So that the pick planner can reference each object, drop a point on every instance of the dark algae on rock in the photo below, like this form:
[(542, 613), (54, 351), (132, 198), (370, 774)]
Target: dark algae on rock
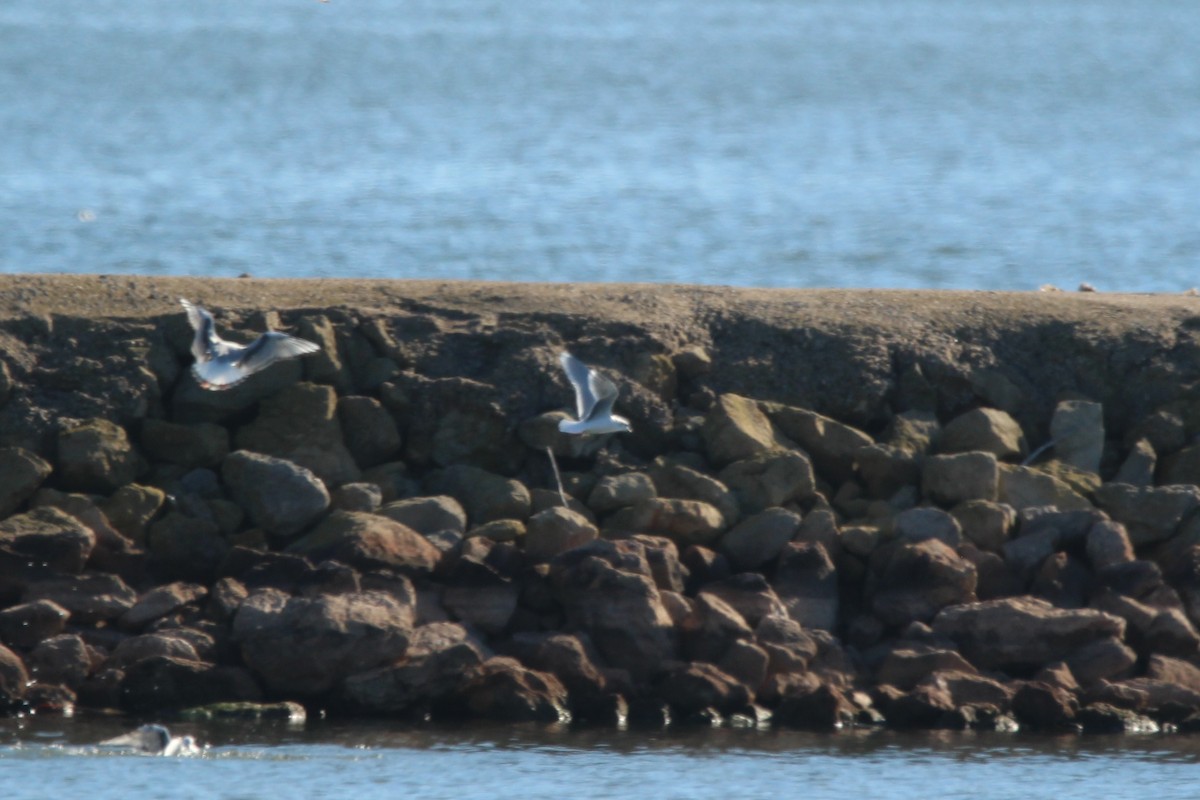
[(829, 510)]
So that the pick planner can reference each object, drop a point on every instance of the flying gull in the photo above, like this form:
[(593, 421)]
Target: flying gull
[(594, 398), (221, 364), (155, 740)]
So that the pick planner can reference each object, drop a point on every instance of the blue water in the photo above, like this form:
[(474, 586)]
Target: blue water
[(368, 762), (896, 143)]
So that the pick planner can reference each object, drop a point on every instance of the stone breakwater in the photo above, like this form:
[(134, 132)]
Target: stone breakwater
[(820, 519)]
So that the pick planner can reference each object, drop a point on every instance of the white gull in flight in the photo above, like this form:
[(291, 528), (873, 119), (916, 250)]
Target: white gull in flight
[(594, 398), (221, 364)]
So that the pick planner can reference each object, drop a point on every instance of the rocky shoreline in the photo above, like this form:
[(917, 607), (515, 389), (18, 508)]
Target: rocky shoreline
[(822, 517)]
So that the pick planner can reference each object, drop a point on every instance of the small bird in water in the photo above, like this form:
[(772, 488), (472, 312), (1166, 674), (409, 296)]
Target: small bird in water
[(594, 398), (155, 740), (221, 364)]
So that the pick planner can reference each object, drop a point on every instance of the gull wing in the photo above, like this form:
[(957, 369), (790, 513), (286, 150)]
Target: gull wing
[(206, 342), (273, 346), (580, 377), (605, 392)]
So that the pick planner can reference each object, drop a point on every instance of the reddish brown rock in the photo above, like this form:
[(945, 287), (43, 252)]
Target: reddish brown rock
[(908, 663), (303, 646), (48, 538), (1043, 707), (750, 594), (89, 598), (14, 678), (692, 688), (1022, 631), (807, 584), (368, 541), (26, 624), (919, 579), (925, 707), (606, 590), (64, 659), (790, 649), (150, 645), (160, 601), (502, 689), (814, 708), (711, 628), (431, 668), (969, 688), (686, 522)]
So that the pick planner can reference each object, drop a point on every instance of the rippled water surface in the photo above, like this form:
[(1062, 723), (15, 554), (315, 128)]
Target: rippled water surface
[(58, 758), (902, 143)]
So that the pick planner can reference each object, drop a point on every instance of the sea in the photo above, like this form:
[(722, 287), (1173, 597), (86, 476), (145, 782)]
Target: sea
[(1005, 145), (1001, 145)]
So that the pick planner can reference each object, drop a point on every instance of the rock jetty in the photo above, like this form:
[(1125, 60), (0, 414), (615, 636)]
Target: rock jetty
[(827, 513)]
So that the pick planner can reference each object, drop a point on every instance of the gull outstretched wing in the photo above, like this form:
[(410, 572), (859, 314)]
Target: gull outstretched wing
[(273, 346), (579, 375), (605, 392), (205, 340)]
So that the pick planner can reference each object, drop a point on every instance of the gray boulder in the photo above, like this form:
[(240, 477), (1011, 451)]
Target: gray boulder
[(919, 524), (759, 539), (428, 515), (769, 479), (1077, 429), (619, 491), (679, 481), (556, 530), (987, 429), (97, 456), (484, 495), (831, 445), (369, 429), (300, 424), (1150, 513), (280, 496), (985, 524), (21, 473), (952, 479), (735, 428)]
